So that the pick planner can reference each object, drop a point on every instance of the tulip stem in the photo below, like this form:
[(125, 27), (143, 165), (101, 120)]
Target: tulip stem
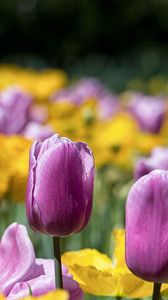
[(156, 291), (57, 263)]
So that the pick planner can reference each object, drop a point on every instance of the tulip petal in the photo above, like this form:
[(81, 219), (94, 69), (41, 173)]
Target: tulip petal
[(87, 158), (147, 227), (54, 140), (17, 258), (53, 295), (44, 284), (33, 220), (59, 190)]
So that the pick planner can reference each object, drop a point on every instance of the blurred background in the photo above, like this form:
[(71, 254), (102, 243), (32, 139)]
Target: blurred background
[(118, 41), (123, 44)]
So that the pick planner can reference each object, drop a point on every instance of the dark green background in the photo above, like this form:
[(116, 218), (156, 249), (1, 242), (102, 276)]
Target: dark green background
[(115, 40)]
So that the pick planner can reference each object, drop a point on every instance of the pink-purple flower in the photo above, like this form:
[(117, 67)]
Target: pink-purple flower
[(90, 88), (149, 111), (60, 186), (20, 270), (37, 131), (157, 160), (14, 110), (147, 227)]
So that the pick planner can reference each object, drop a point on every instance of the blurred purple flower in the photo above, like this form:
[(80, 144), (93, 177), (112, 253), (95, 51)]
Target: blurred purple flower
[(60, 186), (19, 269), (38, 114), (147, 227), (149, 111), (107, 107), (90, 88), (157, 160), (80, 92), (36, 131), (14, 110)]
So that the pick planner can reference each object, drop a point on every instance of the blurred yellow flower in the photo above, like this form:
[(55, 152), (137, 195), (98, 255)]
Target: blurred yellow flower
[(41, 84), (14, 157), (145, 142), (114, 140), (75, 122), (99, 275)]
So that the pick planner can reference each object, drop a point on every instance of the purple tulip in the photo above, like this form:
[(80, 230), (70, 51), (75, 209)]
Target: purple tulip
[(38, 114), (90, 87), (14, 110), (157, 160), (149, 111), (107, 107), (147, 227), (60, 186), (82, 90), (19, 269), (36, 131)]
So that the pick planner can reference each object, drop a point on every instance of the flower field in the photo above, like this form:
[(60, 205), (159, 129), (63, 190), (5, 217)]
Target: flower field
[(79, 162)]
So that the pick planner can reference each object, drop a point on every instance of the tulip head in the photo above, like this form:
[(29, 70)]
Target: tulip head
[(149, 111), (14, 110), (157, 160), (147, 227), (60, 186), (34, 130)]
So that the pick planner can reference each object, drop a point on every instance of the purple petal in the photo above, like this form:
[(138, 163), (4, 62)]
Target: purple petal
[(147, 227), (58, 196), (51, 142), (16, 104), (43, 284), (36, 131), (34, 151), (157, 160), (88, 161), (17, 258), (149, 111), (48, 267), (108, 106)]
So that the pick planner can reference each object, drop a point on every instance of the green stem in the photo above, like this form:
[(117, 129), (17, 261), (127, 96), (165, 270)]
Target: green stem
[(57, 263), (156, 291)]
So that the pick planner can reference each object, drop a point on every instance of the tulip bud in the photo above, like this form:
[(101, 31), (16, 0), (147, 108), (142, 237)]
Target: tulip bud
[(14, 110), (157, 160), (149, 111), (60, 186), (147, 227)]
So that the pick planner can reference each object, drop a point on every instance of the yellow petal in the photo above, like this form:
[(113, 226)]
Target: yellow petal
[(92, 270), (96, 275), (119, 250), (93, 281), (87, 257), (131, 286)]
